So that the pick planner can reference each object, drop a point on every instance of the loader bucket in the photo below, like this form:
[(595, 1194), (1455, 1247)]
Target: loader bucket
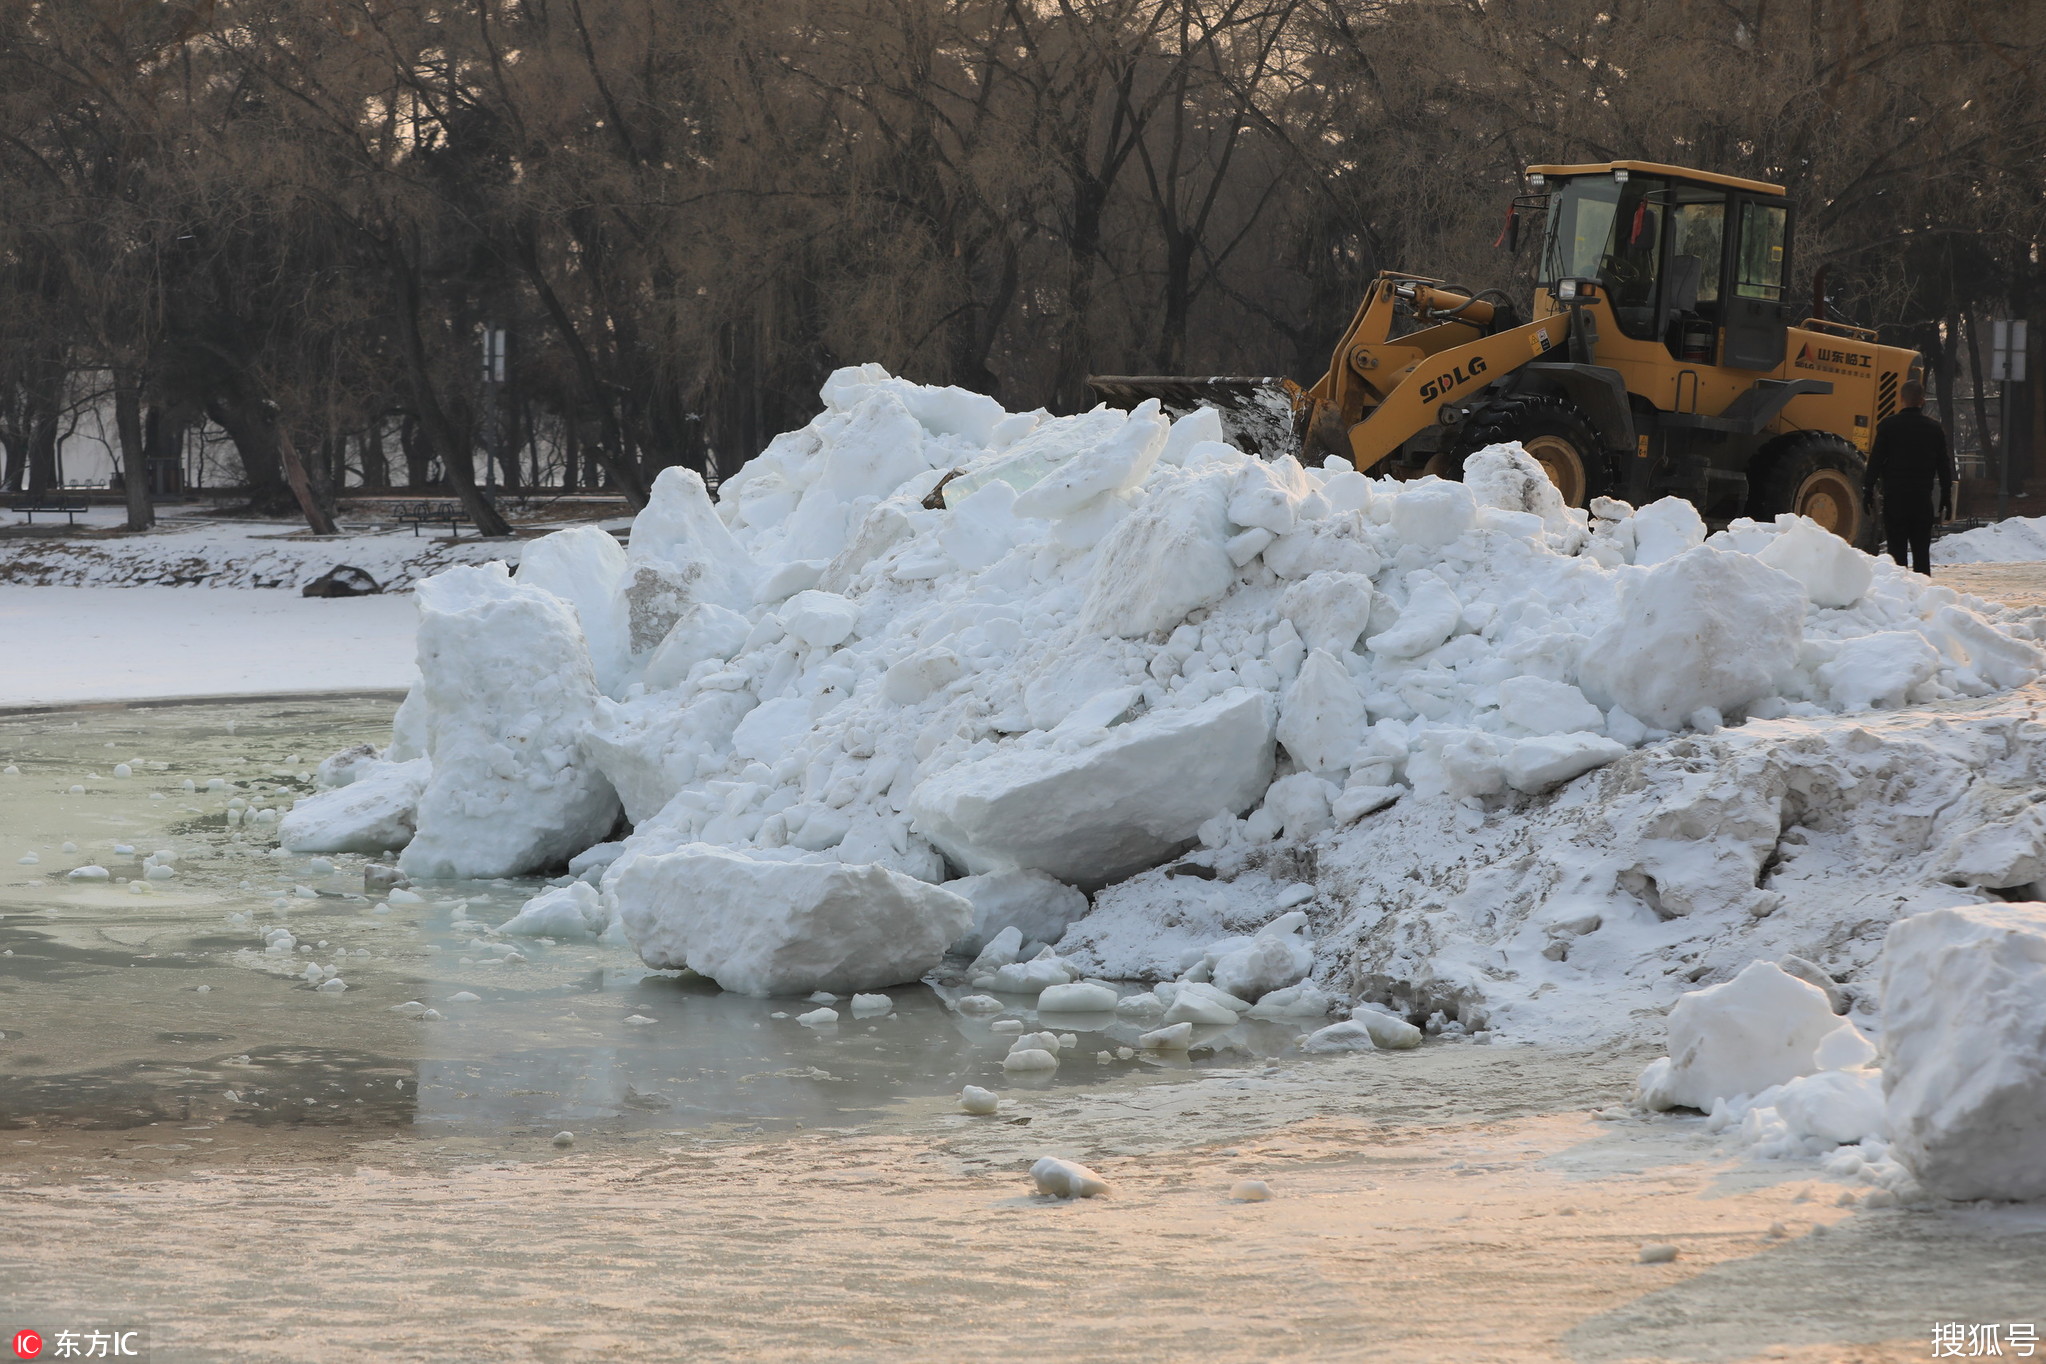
[(1258, 414)]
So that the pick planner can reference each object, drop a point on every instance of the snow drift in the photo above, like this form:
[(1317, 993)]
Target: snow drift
[(1521, 766), (1964, 1043), (2016, 539)]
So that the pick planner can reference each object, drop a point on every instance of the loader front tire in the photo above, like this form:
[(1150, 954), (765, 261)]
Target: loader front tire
[(1815, 474), (1555, 433)]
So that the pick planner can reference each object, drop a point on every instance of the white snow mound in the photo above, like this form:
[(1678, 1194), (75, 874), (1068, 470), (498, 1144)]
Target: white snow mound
[(1037, 906), (1528, 755), (785, 928), (1112, 803), (2017, 539), (377, 810), (1964, 1049), (508, 693), (1751, 1033)]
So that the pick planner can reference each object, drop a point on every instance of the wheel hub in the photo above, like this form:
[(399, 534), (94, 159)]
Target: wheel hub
[(1561, 462), (1827, 497)]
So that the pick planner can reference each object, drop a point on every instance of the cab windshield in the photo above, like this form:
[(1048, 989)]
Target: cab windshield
[(1616, 232), (1581, 217)]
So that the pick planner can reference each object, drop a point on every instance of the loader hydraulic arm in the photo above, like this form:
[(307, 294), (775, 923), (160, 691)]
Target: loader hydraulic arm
[(1438, 381), (1381, 390)]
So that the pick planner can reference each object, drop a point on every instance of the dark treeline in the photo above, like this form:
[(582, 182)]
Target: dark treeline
[(293, 219)]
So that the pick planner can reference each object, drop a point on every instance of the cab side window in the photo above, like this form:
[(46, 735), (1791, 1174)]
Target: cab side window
[(1691, 307), (1694, 258), (1758, 268)]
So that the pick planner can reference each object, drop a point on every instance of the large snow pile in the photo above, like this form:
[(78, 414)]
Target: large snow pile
[(2019, 539), (931, 636)]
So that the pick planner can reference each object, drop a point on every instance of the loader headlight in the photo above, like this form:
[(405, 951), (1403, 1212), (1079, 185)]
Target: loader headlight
[(1566, 291)]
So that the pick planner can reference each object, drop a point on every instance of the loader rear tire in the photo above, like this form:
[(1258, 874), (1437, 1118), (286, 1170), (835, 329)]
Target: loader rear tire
[(1815, 474), (1559, 437)]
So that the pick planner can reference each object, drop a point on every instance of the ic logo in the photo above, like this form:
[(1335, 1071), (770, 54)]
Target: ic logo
[(27, 1344)]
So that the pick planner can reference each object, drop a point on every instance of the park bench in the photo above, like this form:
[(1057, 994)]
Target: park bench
[(47, 504), (418, 514)]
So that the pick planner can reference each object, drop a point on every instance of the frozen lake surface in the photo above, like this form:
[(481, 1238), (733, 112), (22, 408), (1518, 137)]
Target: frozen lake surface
[(85, 644), (121, 1009), (200, 1143)]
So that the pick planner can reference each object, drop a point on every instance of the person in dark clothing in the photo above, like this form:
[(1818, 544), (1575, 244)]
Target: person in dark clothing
[(1909, 456)]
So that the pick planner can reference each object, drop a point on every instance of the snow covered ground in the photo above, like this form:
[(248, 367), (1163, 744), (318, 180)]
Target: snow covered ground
[(235, 552), (79, 644), (210, 606), (2020, 539)]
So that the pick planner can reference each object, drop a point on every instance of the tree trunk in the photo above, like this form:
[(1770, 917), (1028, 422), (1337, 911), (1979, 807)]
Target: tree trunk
[(1943, 379), (163, 433), (1075, 335), (1171, 348), (44, 396), (255, 435), (134, 451), (418, 459), (459, 466), (328, 474), (1982, 402), (42, 454), (376, 465), (509, 443), (301, 486), (451, 441), (610, 451)]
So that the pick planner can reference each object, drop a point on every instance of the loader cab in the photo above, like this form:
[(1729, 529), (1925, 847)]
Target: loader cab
[(1695, 261)]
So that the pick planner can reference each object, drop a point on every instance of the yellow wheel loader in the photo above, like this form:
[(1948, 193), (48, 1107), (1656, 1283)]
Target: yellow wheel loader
[(1659, 357)]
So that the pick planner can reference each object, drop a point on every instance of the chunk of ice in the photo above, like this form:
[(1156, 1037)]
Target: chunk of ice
[(1066, 1179)]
